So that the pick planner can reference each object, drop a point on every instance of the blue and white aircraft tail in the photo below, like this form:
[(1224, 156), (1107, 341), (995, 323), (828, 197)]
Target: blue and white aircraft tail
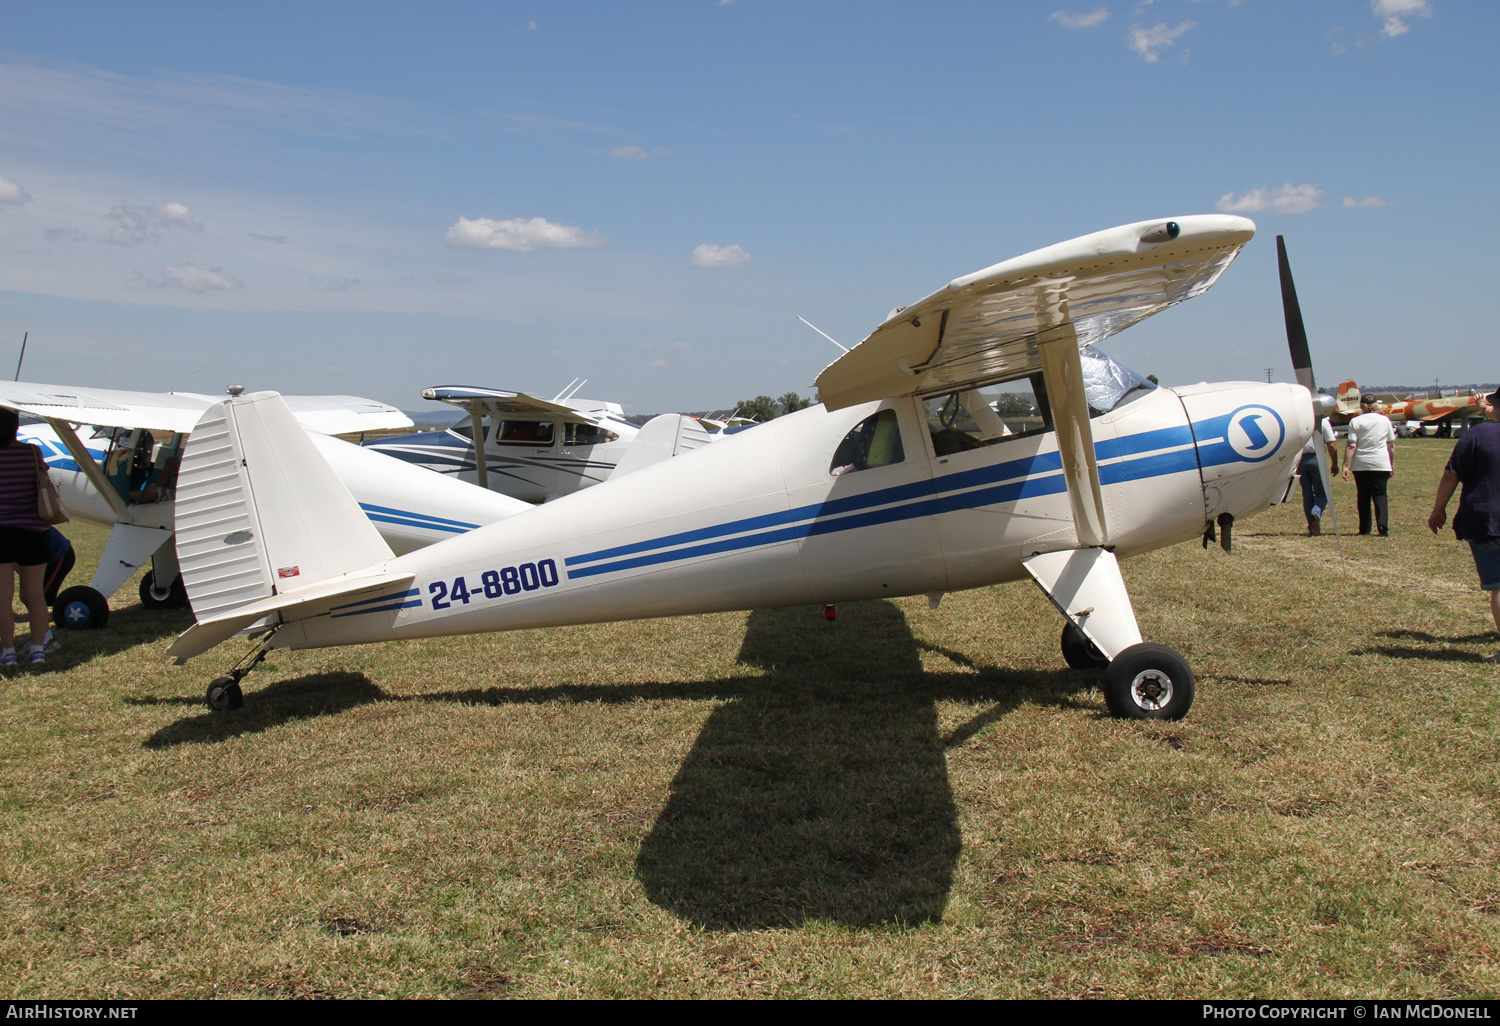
[(905, 482)]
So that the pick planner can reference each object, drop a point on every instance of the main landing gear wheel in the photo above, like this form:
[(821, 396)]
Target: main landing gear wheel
[(1148, 682), (1079, 652), (225, 694), (80, 608), (173, 597)]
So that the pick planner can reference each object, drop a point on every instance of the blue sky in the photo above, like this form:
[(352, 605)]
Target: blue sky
[(371, 198)]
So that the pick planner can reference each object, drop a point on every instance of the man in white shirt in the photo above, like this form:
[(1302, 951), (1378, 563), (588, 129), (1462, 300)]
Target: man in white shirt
[(1314, 502), (1371, 455)]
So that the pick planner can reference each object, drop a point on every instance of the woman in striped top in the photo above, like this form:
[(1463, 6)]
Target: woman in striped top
[(23, 542)]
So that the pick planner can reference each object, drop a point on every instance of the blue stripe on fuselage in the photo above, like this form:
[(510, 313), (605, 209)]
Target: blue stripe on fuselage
[(1121, 459)]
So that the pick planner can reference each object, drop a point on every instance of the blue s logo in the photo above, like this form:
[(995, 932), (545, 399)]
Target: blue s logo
[(1255, 433)]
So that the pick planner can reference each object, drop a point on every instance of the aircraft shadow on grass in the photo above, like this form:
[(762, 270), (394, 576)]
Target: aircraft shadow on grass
[(128, 627), (1482, 638), (817, 791), (316, 694)]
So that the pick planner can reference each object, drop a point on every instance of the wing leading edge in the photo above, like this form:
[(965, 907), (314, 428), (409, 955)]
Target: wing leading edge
[(986, 326)]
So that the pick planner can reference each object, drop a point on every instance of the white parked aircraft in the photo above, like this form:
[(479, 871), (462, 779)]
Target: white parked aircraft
[(540, 449), (901, 484), (120, 477)]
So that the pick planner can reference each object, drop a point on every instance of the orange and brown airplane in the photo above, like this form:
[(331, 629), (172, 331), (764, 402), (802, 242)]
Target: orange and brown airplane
[(1427, 411)]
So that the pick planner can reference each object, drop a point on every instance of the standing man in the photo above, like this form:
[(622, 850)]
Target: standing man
[(1314, 502), (1371, 454), (1476, 463)]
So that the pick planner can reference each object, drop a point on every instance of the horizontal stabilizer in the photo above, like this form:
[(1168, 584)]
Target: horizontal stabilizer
[(293, 605), (260, 512), (663, 437)]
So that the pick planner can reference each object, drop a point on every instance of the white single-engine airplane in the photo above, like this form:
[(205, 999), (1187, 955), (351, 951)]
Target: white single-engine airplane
[(539, 449), (121, 478), (901, 484)]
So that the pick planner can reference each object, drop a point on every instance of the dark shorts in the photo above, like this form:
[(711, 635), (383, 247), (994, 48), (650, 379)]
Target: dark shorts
[(1487, 562), (23, 547)]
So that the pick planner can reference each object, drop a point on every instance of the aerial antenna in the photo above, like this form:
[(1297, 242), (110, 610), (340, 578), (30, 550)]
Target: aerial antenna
[(24, 336), (558, 397), (576, 387), (820, 331), (200, 370)]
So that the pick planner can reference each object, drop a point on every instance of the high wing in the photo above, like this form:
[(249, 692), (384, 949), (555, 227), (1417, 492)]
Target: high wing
[(986, 326), (497, 402), (179, 411)]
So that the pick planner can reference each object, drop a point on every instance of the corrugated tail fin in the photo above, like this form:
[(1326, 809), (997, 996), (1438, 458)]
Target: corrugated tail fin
[(261, 514)]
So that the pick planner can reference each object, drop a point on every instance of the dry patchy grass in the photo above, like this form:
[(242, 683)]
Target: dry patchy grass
[(900, 803)]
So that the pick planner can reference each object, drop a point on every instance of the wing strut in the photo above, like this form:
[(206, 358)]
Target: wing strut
[(91, 470), (1062, 370), (481, 451)]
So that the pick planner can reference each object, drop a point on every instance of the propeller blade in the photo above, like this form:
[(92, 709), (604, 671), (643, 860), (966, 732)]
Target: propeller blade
[(1296, 340), (1296, 332)]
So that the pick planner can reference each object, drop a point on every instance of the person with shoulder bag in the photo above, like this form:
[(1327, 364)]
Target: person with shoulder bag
[(24, 544)]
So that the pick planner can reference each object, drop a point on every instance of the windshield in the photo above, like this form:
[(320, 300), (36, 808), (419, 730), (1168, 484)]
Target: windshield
[(1107, 381)]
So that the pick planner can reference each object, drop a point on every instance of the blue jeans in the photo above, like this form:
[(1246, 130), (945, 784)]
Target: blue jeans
[(1314, 502)]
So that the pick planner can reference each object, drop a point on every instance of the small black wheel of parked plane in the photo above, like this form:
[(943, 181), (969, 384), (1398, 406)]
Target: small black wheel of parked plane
[(173, 597), (1079, 652), (1148, 682), (225, 694), (80, 609)]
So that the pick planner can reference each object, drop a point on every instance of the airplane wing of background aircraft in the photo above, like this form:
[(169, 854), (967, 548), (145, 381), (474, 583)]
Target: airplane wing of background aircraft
[(904, 483), (540, 449), (120, 477)]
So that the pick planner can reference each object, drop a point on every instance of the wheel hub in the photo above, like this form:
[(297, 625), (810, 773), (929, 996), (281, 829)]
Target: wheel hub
[(1151, 689), (76, 613)]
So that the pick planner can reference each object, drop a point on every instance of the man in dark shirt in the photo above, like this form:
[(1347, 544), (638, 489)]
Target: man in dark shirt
[(1476, 463)]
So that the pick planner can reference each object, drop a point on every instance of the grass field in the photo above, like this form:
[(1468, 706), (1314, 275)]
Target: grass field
[(900, 803)]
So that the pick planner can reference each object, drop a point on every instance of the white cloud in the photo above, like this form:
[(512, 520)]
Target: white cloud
[(1368, 201), (12, 195), (628, 153), (193, 279), (519, 235), (1392, 13), (658, 363), (677, 347), (1289, 199), (1148, 41), (1079, 21), (709, 255), (136, 223)]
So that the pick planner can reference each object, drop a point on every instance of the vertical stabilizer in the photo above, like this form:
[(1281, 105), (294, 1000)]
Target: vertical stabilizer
[(663, 437), (260, 512), (1349, 398)]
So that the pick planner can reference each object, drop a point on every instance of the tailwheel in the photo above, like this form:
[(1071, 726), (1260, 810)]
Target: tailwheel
[(1079, 652), (225, 694), (1148, 682)]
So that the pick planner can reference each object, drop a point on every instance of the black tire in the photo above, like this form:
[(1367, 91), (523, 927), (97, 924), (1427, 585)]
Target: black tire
[(1148, 682), (225, 694), (175, 598), (80, 609), (1079, 652)]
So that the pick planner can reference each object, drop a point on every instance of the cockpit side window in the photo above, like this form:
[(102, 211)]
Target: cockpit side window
[(977, 417), (874, 442), (525, 432), (587, 434)]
